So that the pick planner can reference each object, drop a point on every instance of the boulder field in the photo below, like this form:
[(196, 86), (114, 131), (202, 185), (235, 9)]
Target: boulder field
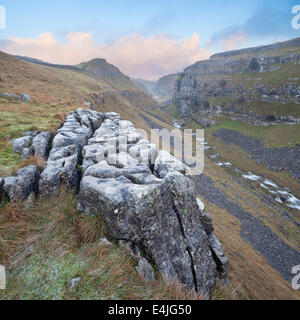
[(145, 196)]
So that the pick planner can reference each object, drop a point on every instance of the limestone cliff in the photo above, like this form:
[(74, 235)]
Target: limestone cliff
[(250, 82)]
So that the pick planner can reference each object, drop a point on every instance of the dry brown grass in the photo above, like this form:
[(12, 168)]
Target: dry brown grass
[(35, 160), (241, 160), (250, 275), (51, 232)]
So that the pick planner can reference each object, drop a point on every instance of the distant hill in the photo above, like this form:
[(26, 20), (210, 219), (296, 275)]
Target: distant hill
[(258, 85), (56, 89), (160, 90)]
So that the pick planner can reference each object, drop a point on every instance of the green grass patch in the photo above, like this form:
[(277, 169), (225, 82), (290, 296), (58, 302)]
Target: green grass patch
[(272, 136)]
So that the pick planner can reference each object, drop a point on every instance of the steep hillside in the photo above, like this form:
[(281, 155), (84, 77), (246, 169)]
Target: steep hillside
[(260, 235), (165, 86), (161, 90), (249, 99), (256, 85), (53, 92), (101, 69)]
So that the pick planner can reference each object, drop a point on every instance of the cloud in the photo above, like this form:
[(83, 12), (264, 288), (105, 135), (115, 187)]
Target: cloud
[(266, 25), (136, 55), (234, 41)]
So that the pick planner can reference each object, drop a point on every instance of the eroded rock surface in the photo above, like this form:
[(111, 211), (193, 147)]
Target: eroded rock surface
[(145, 196), (33, 143), (20, 187), (154, 211), (63, 166)]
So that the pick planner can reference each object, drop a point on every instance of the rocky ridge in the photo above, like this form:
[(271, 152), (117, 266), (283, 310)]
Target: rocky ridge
[(240, 78), (144, 195)]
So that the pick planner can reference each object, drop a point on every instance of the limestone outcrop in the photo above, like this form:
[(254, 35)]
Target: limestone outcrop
[(66, 155), (33, 143), (149, 203), (144, 195), (20, 187)]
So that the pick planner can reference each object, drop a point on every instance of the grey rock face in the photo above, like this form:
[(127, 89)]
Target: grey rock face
[(215, 78), (21, 143), (166, 163), (156, 214), (33, 143), (1, 189), (145, 270), (20, 187), (219, 256), (147, 215), (41, 144), (66, 154)]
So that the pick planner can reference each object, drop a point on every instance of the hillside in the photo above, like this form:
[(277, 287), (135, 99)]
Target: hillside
[(247, 101), (55, 91), (161, 90), (256, 85), (257, 233)]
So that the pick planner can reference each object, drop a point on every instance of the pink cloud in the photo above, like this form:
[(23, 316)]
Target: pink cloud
[(234, 41), (135, 55)]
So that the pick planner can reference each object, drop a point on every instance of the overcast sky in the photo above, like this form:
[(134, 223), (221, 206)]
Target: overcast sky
[(145, 39)]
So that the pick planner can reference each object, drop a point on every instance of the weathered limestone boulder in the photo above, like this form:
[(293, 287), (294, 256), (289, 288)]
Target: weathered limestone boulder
[(92, 154), (66, 154), (145, 153), (21, 143), (156, 213), (166, 163), (145, 270), (41, 144), (219, 256), (167, 230), (20, 187), (62, 171), (1, 189), (33, 143), (105, 171)]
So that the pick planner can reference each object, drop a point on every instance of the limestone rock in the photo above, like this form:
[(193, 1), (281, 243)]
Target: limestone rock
[(153, 212), (41, 144), (145, 270), (166, 163), (149, 216), (66, 154), (219, 256), (20, 187), (21, 143), (1, 189)]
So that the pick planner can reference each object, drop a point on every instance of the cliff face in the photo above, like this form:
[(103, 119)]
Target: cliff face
[(244, 81), (160, 90)]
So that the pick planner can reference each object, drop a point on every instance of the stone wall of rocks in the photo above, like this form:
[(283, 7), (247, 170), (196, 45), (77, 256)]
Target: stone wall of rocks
[(144, 195)]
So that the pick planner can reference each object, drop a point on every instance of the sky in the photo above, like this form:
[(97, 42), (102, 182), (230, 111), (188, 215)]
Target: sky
[(143, 38)]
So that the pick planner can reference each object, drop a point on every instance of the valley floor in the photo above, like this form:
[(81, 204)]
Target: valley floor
[(260, 236)]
